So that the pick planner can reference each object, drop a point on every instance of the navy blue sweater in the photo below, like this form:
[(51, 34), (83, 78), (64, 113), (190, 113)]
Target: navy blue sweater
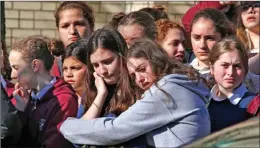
[(224, 113)]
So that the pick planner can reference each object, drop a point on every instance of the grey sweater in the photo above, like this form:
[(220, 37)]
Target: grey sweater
[(165, 121)]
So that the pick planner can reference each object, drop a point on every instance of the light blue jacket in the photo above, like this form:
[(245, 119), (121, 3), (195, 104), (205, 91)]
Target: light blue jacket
[(165, 121)]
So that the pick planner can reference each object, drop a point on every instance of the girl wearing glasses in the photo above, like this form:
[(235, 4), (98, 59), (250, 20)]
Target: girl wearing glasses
[(248, 32)]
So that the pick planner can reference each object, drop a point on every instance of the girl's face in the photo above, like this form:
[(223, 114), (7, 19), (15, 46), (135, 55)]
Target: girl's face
[(22, 71), (75, 73), (250, 16), (203, 38), (173, 44), (106, 64), (131, 32), (228, 70), (73, 26), (140, 70)]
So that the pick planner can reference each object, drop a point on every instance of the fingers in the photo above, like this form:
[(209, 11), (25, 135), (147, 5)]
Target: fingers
[(17, 91), (16, 86), (21, 100), (20, 91), (98, 80), (95, 75), (100, 85)]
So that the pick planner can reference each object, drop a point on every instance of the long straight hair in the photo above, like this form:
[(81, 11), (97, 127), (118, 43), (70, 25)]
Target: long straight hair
[(123, 96)]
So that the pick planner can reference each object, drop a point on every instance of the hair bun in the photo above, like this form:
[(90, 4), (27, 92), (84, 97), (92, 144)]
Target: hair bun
[(159, 7), (119, 16)]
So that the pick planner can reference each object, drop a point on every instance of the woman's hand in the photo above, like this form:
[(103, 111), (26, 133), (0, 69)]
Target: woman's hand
[(97, 105), (100, 85), (21, 96)]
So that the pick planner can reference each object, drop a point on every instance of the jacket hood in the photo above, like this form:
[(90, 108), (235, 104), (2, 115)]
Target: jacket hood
[(198, 88)]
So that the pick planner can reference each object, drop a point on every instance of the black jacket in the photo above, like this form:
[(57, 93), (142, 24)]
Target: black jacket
[(10, 122)]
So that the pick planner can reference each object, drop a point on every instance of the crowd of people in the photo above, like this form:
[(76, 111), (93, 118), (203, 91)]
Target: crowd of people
[(142, 80)]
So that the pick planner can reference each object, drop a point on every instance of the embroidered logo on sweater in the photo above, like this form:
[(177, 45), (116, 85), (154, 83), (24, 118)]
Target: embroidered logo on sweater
[(41, 124)]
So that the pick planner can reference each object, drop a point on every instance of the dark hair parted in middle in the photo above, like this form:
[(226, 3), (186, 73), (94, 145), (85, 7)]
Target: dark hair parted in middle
[(77, 50), (144, 19), (220, 21), (80, 5), (123, 96)]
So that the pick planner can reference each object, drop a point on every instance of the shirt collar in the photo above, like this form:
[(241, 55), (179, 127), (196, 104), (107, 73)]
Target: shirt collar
[(42, 92), (3, 81), (234, 98), (195, 65)]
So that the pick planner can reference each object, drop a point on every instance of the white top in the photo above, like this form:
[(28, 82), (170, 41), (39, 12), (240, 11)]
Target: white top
[(195, 64)]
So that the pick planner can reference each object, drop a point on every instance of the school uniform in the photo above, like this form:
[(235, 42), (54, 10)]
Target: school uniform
[(45, 112), (225, 112), (10, 122)]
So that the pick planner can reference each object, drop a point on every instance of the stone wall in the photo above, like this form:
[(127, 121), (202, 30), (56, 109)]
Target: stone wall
[(36, 18)]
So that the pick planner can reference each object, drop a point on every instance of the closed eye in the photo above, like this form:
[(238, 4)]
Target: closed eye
[(140, 68), (108, 61), (95, 65), (132, 76), (15, 67)]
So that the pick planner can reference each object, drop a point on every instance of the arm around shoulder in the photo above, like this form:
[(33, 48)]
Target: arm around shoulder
[(145, 115)]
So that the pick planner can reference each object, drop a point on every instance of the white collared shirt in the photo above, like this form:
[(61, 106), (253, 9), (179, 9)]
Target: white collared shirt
[(234, 98), (195, 65)]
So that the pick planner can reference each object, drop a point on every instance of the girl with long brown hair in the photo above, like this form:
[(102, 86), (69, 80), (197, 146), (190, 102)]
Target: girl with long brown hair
[(248, 32)]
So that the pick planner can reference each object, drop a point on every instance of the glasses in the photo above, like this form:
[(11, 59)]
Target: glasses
[(247, 6)]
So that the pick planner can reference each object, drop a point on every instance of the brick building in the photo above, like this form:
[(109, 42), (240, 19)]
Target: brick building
[(36, 18)]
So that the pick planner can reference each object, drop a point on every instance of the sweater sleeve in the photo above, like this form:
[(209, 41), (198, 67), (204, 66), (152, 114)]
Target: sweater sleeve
[(145, 115), (52, 136)]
